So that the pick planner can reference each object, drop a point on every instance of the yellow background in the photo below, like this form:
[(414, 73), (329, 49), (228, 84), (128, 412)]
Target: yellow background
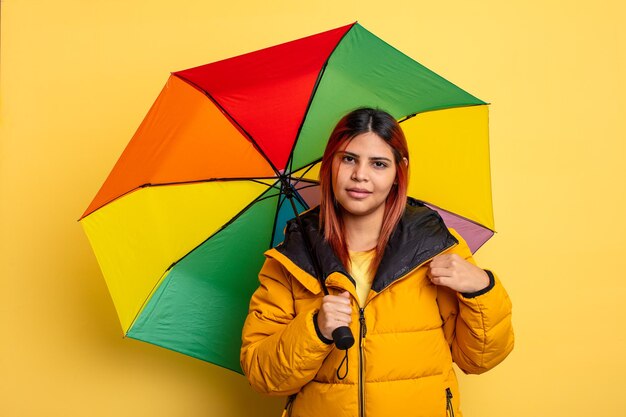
[(78, 76)]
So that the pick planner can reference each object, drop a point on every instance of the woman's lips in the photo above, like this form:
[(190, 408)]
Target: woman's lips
[(358, 193)]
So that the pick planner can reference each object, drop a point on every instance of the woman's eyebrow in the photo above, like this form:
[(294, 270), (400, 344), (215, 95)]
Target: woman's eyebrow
[(380, 158), (373, 158), (346, 153)]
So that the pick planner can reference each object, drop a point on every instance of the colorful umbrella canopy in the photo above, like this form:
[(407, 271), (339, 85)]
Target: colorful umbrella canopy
[(180, 225)]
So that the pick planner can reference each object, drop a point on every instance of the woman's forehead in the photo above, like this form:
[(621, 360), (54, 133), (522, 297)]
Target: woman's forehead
[(368, 145)]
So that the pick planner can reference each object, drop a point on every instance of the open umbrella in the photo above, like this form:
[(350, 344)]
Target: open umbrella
[(181, 223)]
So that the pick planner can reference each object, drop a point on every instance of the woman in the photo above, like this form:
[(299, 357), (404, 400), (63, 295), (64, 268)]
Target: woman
[(405, 284)]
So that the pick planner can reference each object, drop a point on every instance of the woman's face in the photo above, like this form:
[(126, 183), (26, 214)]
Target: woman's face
[(364, 171)]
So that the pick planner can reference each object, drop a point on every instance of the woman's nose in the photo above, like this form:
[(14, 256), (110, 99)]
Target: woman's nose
[(359, 172)]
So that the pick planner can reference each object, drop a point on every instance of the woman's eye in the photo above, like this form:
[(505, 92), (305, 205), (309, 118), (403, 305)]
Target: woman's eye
[(347, 158), (379, 164)]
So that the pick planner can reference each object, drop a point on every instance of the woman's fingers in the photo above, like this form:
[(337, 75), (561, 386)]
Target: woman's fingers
[(337, 308), (448, 260), (440, 272), (335, 312), (450, 270)]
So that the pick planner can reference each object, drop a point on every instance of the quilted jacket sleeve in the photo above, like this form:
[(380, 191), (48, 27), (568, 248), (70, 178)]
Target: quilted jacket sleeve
[(280, 349), (478, 326)]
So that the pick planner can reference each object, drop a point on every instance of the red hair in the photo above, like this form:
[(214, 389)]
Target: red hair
[(357, 122)]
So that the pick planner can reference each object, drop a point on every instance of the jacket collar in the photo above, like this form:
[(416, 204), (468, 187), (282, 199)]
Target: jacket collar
[(420, 235)]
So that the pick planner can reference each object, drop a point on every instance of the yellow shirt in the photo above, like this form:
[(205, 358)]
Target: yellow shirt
[(359, 270)]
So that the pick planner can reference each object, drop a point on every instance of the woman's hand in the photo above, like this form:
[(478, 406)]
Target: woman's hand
[(451, 270), (335, 312)]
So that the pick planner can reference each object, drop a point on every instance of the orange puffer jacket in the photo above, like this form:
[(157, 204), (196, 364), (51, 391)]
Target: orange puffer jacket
[(407, 335)]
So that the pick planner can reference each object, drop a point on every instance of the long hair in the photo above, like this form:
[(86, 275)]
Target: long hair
[(356, 122)]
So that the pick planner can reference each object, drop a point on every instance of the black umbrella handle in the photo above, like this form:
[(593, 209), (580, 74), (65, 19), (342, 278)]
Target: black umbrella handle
[(343, 338)]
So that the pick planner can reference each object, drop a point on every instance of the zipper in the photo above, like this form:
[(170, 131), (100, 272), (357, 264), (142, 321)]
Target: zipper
[(362, 333), (288, 406), (449, 408)]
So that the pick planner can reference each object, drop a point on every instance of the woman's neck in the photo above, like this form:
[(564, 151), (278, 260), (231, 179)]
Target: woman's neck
[(362, 232)]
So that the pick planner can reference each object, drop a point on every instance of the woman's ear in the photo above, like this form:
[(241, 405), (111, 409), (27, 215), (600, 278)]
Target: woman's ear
[(406, 161)]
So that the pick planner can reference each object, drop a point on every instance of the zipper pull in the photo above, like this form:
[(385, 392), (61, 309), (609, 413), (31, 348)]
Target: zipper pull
[(362, 322), (449, 408)]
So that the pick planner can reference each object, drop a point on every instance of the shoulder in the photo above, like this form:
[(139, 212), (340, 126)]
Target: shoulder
[(305, 249), (422, 223), (417, 212), (279, 266)]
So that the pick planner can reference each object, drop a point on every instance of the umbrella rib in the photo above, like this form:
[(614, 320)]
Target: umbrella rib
[(313, 92), (185, 352), (232, 120), (306, 181), (301, 199), (434, 206), (224, 226), (301, 177), (278, 206), (412, 115), (308, 186), (258, 180), (156, 285), (228, 179)]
